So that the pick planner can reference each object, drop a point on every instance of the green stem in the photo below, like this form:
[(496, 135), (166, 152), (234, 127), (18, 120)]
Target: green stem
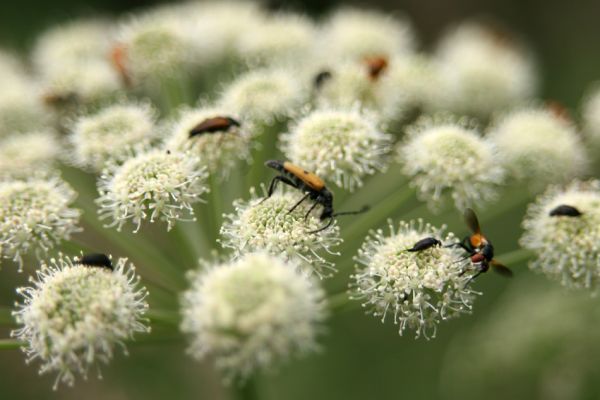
[(267, 149), (515, 257), (246, 390), (163, 317), (373, 217), (10, 344), (216, 200)]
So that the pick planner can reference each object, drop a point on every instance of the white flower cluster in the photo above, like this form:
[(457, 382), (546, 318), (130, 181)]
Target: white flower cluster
[(35, 215), (220, 150), (25, 154), (416, 289), (447, 157), (339, 146), (112, 134), (74, 315), (155, 185), (566, 246), (539, 146), (270, 226), (251, 313)]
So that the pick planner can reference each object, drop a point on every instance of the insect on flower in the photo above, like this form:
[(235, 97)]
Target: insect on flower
[(313, 187), (118, 58), (212, 125), (376, 66), (565, 211), (479, 249), (320, 78), (424, 244), (95, 260)]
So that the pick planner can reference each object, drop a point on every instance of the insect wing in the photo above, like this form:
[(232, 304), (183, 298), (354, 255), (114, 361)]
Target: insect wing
[(501, 269)]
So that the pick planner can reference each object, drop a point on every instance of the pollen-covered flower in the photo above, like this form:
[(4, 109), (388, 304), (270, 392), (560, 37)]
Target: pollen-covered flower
[(74, 315), (21, 109), (483, 71), (351, 85), (251, 313), (155, 44), (539, 146), (112, 134), (354, 34), (269, 225), (339, 146), (278, 40), (218, 28), (77, 42), (25, 154), (416, 289), (411, 83), (566, 246), (446, 157), (82, 83), (218, 150), (35, 215), (156, 185), (591, 116), (264, 95)]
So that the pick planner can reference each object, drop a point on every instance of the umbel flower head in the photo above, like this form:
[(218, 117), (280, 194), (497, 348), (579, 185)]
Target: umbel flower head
[(76, 42), (35, 214), (483, 71), (218, 27), (354, 34), (155, 45), (442, 156), (411, 83), (23, 153), (416, 289), (74, 315), (251, 313), (339, 146), (566, 246), (269, 226), (20, 109), (264, 95), (281, 39), (112, 134), (156, 185), (540, 146), (350, 85), (85, 83), (219, 151)]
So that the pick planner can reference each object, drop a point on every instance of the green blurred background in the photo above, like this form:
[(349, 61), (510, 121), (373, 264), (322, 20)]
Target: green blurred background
[(361, 358)]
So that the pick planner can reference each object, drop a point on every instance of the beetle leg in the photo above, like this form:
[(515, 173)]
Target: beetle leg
[(310, 210), (273, 185), (299, 202)]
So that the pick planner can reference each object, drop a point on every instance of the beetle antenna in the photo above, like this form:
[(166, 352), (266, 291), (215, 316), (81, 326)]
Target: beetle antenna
[(362, 210)]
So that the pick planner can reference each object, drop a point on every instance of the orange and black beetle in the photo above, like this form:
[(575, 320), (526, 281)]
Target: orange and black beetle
[(309, 183)]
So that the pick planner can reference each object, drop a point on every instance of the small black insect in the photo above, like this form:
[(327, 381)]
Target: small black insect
[(425, 244), (212, 125), (313, 187), (321, 78), (565, 211), (95, 260)]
